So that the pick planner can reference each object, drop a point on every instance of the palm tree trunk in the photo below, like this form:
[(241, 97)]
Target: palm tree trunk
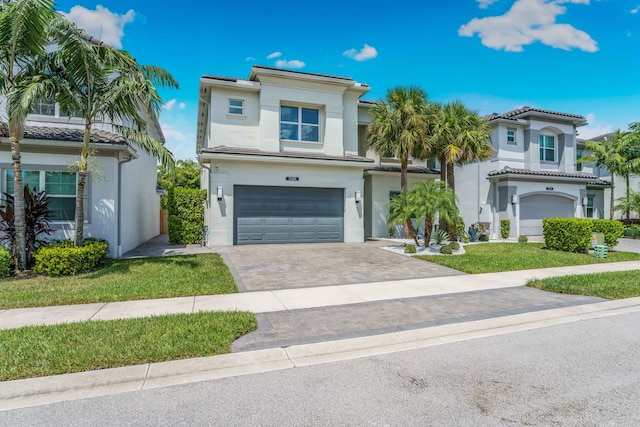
[(409, 230), (628, 197), (82, 179), (428, 226), (451, 183), (612, 197), (16, 131)]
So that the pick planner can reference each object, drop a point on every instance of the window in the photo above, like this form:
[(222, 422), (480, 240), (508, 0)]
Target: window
[(44, 107), (59, 186), (547, 148), (511, 136), (236, 106), (433, 164), (299, 124), (589, 207), (578, 157)]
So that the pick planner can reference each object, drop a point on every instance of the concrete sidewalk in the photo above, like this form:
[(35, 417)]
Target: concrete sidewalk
[(292, 299)]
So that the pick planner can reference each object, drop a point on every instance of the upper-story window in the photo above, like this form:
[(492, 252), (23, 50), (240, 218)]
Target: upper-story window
[(236, 106), (578, 157), (299, 124), (511, 136), (547, 148), (44, 107)]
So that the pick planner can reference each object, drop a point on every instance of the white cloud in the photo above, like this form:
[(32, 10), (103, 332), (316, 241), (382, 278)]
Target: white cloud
[(635, 10), (527, 22), (367, 52), (486, 3), (294, 63), (101, 23), (595, 128), (274, 55), (250, 58), (169, 104), (179, 141), (182, 105)]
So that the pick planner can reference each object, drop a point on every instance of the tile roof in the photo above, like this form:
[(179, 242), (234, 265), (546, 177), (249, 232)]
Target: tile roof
[(65, 134), (513, 114), (410, 169), (222, 149), (550, 173), (264, 67)]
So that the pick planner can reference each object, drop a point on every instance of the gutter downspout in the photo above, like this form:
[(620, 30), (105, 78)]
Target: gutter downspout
[(121, 159)]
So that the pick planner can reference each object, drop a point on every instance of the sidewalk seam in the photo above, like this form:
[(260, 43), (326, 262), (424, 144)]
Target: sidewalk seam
[(98, 311)]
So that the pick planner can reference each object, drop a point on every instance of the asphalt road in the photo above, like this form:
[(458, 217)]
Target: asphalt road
[(577, 374)]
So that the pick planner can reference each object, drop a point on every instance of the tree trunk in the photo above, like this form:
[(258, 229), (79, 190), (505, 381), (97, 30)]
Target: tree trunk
[(628, 197), (612, 197), (452, 230), (16, 132), (428, 226), (78, 238), (409, 230)]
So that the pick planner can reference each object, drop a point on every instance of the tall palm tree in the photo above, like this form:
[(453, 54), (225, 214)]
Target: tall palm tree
[(23, 37), (618, 156), (399, 128), (99, 82), (459, 136), (433, 198)]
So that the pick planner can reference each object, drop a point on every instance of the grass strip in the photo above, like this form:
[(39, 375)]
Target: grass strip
[(123, 280), (496, 257), (36, 351), (609, 285)]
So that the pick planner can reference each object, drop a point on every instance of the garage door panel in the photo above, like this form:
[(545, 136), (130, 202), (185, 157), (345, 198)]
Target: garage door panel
[(533, 209), (284, 215)]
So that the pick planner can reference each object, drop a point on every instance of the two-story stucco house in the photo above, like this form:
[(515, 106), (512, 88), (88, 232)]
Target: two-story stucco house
[(533, 174), (285, 159), (122, 203)]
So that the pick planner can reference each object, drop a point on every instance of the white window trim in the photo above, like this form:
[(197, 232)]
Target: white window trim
[(299, 123), (515, 140), (555, 148), (241, 114)]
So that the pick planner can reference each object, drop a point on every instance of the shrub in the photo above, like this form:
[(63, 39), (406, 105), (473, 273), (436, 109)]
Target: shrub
[(5, 262), (523, 239), (446, 250), (440, 236), (65, 259), (464, 239), (460, 230), (483, 237), (409, 248), (631, 232), (567, 234), (505, 228), (186, 215), (612, 229), (473, 234), (454, 245)]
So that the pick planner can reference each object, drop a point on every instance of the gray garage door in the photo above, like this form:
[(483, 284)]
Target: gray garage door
[(533, 209), (288, 215)]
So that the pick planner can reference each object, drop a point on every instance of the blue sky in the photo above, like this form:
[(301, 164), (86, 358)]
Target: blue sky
[(575, 56)]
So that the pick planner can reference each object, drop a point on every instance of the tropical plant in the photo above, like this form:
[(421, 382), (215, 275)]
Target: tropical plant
[(401, 210), (399, 129), (37, 217), (629, 203), (23, 38), (620, 155), (432, 198), (440, 236), (98, 83), (458, 135)]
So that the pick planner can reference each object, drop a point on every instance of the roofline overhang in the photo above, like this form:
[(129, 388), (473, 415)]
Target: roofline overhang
[(100, 146), (575, 120), (257, 158), (533, 177), (374, 172)]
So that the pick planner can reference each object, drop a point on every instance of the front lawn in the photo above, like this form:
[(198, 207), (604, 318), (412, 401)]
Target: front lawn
[(36, 351), (495, 257), (122, 280), (610, 285)]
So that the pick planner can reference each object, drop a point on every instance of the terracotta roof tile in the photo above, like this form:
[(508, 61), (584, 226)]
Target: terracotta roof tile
[(593, 179), (65, 134), (520, 111)]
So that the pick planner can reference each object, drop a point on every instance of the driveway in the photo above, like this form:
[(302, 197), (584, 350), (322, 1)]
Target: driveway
[(268, 267)]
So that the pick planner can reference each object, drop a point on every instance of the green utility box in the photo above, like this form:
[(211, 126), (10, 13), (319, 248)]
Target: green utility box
[(600, 251)]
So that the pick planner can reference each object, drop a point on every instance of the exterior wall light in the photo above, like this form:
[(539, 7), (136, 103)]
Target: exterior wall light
[(358, 196), (514, 199), (219, 192)]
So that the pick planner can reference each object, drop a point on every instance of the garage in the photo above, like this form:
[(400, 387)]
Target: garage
[(287, 215), (535, 208)]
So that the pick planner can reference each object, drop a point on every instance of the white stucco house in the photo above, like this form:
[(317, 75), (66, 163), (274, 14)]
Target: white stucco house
[(122, 202), (533, 174)]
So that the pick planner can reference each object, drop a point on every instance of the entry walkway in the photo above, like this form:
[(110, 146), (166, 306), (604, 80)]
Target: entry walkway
[(294, 299)]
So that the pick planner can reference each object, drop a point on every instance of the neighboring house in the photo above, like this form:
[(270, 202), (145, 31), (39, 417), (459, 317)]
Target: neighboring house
[(121, 205), (284, 158), (620, 185), (533, 174)]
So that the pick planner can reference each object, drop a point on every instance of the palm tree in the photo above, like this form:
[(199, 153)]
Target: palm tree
[(619, 156), (98, 82), (629, 203), (399, 129), (459, 136), (23, 37), (433, 198), (401, 210)]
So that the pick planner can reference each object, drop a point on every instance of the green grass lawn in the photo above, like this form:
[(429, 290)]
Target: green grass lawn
[(36, 351), (495, 257), (610, 285), (124, 279)]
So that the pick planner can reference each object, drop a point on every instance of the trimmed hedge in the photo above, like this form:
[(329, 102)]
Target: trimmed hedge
[(523, 239), (612, 229), (567, 234), (505, 228), (410, 249), (446, 250), (65, 259), (5, 262), (186, 215), (632, 232)]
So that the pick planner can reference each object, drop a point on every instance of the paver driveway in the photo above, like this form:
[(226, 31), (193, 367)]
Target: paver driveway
[(268, 267)]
